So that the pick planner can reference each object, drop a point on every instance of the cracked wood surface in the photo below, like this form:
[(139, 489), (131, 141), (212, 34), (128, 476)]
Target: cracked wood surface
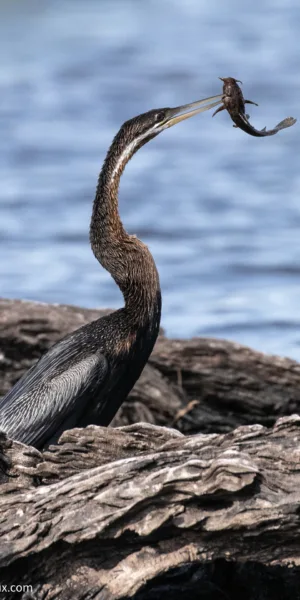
[(124, 512), (143, 511)]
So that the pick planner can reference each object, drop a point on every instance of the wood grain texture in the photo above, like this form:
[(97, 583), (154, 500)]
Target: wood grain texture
[(144, 510)]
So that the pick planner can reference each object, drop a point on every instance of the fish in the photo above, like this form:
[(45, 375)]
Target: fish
[(234, 102)]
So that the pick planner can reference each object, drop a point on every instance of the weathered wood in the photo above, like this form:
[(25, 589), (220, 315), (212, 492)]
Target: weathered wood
[(194, 385), (230, 384), (144, 512)]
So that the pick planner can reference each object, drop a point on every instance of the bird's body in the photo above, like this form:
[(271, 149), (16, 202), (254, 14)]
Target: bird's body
[(78, 367), (85, 377)]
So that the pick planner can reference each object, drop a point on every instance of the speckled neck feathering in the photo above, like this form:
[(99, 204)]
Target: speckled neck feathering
[(85, 377), (126, 258)]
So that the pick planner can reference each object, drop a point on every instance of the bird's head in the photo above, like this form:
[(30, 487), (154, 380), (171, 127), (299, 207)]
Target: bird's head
[(139, 130)]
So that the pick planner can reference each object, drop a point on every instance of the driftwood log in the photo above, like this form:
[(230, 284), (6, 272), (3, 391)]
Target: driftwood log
[(143, 511), (198, 385)]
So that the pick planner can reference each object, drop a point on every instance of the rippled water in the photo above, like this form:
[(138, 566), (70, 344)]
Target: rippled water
[(219, 210)]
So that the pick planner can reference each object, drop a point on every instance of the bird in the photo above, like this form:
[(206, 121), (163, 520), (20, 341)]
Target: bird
[(84, 378)]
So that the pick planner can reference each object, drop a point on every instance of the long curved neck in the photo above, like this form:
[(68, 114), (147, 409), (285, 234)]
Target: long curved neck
[(126, 258)]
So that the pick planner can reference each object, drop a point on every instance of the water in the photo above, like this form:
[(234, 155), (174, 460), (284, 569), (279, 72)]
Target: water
[(219, 210)]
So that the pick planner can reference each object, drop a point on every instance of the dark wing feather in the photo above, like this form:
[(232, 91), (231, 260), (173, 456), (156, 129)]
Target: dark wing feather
[(53, 393)]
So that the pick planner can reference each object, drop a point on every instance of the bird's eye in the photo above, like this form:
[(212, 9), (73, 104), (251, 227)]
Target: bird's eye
[(159, 116)]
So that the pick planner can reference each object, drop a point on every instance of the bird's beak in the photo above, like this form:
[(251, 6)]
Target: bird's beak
[(189, 110)]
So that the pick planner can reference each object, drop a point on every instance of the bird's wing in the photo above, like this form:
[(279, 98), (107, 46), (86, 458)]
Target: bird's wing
[(52, 393)]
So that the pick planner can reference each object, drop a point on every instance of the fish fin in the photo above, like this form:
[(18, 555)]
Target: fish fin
[(218, 110), (288, 122), (250, 102)]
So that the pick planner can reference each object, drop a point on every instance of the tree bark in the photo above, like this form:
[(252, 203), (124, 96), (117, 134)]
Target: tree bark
[(198, 385), (145, 512)]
